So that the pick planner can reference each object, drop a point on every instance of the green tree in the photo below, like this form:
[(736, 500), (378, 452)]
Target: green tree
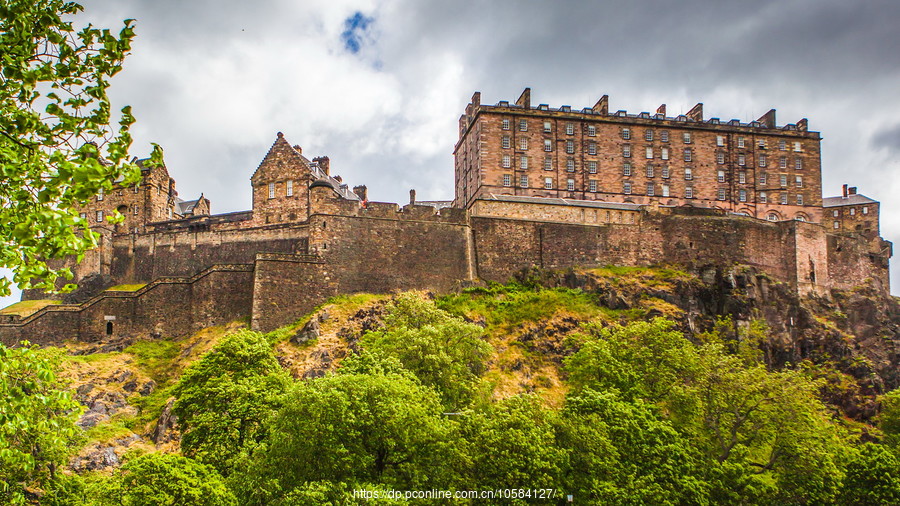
[(625, 453), (511, 445), (58, 146), (889, 419), (37, 422), (159, 478), (224, 399), (355, 428), (873, 478), (443, 351)]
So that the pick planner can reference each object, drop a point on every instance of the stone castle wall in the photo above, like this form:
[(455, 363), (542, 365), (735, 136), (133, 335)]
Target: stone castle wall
[(275, 274)]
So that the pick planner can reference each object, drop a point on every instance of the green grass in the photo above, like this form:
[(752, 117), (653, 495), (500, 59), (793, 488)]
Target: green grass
[(27, 307), (126, 288), (155, 358), (510, 305)]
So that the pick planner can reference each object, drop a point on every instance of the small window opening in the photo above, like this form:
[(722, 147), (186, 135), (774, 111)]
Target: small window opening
[(109, 328)]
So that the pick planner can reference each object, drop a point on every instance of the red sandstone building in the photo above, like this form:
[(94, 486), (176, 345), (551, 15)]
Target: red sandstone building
[(756, 169)]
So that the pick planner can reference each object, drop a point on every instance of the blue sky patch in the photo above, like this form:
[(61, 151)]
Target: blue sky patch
[(355, 31)]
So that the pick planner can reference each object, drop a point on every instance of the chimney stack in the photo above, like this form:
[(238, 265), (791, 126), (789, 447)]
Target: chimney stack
[(851, 190), (844, 193), (525, 99), (362, 192), (412, 197), (298, 149), (323, 162)]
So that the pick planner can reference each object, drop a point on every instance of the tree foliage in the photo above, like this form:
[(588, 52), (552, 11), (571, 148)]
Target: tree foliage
[(441, 350), (224, 399), (58, 143), (37, 422), (171, 479)]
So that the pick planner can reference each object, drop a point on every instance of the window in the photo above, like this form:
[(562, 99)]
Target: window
[(507, 180), (835, 213), (547, 126), (570, 147), (742, 160), (762, 160), (504, 124), (688, 174), (523, 143), (798, 181), (740, 142), (852, 211), (592, 185), (650, 189), (100, 194), (761, 143), (689, 192), (592, 130), (664, 154), (504, 142), (289, 191), (649, 170), (837, 225), (742, 195), (721, 194), (626, 133), (523, 162), (523, 125), (626, 151), (784, 199), (664, 136), (592, 148), (592, 167), (548, 162), (83, 216), (665, 172), (523, 181), (720, 177), (782, 179), (626, 169), (626, 188), (798, 164), (507, 163), (570, 165), (782, 162), (99, 216), (797, 147), (134, 210), (649, 152), (271, 190), (570, 185), (686, 136), (742, 177), (688, 154), (720, 157), (548, 183), (570, 129), (799, 199), (665, 190), (763, 197), (772, 217), (763, 179), (865, 209), (782, 145), (648, 135), (720, 140), (548, 145)]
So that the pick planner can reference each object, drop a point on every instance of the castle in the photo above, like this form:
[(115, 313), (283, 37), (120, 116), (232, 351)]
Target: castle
[(535, 186)]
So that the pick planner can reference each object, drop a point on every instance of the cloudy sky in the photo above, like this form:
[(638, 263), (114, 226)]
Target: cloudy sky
[(378, 86)]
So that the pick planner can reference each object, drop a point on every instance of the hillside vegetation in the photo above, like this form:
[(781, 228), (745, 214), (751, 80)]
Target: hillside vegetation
[(615, 386)]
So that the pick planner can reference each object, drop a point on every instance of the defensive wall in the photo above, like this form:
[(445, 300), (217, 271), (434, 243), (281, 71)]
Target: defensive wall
[(206, 275)]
